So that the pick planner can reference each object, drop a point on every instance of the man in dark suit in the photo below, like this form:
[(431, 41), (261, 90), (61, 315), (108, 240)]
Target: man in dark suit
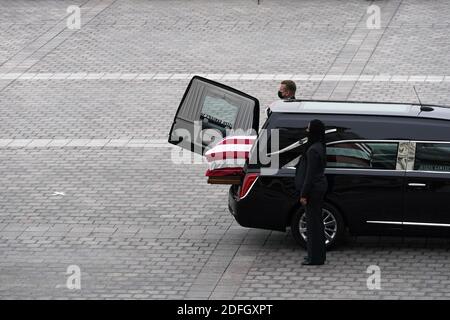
[(311, 185)]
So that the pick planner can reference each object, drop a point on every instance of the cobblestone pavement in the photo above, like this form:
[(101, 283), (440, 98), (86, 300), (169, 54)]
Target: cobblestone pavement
[(86, 177)]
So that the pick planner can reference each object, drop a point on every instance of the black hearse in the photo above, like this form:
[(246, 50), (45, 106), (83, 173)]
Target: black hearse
[(388, 163)]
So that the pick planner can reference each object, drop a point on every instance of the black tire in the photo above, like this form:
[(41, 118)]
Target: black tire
[(339, 229)]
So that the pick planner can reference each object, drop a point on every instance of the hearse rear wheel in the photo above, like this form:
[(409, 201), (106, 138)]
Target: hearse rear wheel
[(333, 223)]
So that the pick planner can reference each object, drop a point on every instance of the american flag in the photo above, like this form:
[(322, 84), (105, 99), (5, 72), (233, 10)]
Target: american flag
[(228, 157)]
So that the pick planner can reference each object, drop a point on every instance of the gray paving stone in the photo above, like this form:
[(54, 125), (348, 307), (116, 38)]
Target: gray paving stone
[(141, 227)]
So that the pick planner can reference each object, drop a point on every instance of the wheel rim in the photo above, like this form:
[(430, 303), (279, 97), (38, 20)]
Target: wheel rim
[(329, 222)]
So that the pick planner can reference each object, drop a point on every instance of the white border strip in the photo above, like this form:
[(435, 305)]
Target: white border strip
[(85, 143), (224, 76)]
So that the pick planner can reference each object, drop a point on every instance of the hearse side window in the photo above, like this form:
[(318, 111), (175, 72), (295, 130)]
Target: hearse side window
[(287, 137), (432, 157), (364, 155), (288, 153)]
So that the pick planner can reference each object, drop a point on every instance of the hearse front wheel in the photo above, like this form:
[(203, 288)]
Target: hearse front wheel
[(333, 223)]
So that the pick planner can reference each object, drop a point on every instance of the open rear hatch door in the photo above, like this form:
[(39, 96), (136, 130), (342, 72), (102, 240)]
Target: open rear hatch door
[(208, 114)]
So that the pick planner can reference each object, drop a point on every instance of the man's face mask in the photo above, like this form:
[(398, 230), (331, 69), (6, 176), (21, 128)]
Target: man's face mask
[(280, 95)]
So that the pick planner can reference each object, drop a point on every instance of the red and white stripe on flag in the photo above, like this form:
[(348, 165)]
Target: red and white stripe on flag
[(228, 157)]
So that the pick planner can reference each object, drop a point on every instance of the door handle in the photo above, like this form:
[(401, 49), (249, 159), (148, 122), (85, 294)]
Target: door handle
[(417, 184)]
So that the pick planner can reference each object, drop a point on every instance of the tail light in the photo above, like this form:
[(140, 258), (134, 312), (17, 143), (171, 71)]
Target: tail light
[(248, 182)]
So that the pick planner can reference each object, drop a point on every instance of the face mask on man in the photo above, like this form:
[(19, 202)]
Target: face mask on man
[(280, 95)]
